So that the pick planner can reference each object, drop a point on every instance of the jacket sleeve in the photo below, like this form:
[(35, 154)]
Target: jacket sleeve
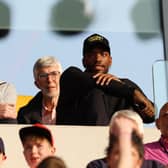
[(21, 118), (76, 83), (137, 107)]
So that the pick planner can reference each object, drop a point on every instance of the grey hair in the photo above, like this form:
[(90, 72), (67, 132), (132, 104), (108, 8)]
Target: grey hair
[(130, 114), (46, 61)]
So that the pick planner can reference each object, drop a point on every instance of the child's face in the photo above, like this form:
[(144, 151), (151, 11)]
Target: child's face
[(2, 158), (36, 149)]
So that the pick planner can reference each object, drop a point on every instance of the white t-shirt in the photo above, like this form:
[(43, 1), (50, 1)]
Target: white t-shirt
[(8, 93)]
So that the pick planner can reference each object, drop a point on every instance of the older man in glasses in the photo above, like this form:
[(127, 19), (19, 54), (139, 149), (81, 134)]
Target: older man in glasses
[(42, 108)]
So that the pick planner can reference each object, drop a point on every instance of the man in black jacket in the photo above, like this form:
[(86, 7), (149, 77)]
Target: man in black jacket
[(42, 108), (93, 96)]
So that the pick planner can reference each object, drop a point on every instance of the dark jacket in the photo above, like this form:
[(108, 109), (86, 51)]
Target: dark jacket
[(83, 102), (31, 113), (101, 163), (8, 121)]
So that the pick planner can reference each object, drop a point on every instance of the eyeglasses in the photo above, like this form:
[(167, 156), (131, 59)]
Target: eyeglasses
[(53, 75)]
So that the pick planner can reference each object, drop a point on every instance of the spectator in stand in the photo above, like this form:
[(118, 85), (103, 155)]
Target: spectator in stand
[(52, 162), (158, 150), (125, 144), (2, 153), (8, 98), (93, 96), (42, 108), (38, 143)]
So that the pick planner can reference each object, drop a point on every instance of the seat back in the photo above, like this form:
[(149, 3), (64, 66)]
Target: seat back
[(22, 100)]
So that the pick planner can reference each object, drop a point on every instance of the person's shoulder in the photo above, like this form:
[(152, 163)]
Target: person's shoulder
[(127, 81), (72, 68), (3, 85), (72, 73), (152, 164), (2, 82), (33, 103), (7, 85), (151, 144), (130, 83), (98, 163)]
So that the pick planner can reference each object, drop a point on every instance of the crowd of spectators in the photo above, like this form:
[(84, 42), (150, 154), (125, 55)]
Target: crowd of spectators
[(90, 97)]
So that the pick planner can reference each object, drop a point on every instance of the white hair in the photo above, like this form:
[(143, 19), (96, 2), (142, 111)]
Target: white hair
[(45, 62), (130, 114)]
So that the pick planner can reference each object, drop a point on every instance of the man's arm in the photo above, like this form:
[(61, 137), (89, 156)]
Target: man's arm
[(22, 118), (140, 102), (75, 83)]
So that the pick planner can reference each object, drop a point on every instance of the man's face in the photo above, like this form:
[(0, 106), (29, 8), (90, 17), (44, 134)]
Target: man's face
[(114, 156), (48, 80), (97, 60), (162, 121), (125, 126), (36, 149)]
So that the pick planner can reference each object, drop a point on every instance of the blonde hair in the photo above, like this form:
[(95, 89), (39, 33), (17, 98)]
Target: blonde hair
[(130, 114)]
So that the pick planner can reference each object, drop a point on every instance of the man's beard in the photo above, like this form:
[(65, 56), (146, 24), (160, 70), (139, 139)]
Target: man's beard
[(50, 95)]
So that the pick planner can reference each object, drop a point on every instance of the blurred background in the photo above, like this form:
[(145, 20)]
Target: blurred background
[(35, 28)]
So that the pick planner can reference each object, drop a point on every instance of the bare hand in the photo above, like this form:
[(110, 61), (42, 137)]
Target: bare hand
[(105, 79), (7, 111), (145, 106), (123, 125)]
